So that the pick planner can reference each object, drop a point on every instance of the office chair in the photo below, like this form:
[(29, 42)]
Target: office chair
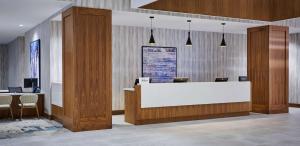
[(15, 90)]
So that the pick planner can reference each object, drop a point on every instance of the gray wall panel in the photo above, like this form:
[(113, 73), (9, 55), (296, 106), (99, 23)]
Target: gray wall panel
[(294, 68), (17, 62), (42, 32), (203, 62), (3, 67)]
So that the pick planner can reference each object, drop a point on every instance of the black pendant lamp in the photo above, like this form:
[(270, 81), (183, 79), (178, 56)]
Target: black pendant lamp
[(223, 43), (152, 40), (189, 41)]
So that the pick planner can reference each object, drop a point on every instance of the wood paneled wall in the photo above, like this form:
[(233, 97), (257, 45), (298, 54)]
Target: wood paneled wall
[(268, 63), (266, 10), (87, 69), (203, 62), (284, 9), (245, 9), (3, 67)]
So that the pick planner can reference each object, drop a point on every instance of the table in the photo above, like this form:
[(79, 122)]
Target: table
[(5, 113)]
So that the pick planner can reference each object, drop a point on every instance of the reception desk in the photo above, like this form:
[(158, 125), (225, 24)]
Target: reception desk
[(167, 102)]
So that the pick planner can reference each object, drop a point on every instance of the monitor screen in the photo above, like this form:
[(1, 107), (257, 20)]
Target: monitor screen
[(30, 82), (221, 80), (243, 78)]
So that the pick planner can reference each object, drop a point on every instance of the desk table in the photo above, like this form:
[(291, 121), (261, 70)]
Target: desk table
[(27, 112)]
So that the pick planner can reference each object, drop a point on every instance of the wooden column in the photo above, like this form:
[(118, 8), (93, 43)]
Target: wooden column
[(87, 69), (268, 64)]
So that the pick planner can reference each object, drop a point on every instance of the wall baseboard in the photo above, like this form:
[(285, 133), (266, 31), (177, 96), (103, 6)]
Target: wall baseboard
[(47, 116), (118, 112), (294, 105)]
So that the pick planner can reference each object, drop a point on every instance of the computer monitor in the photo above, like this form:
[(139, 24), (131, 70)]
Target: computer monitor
[(221, 79), (243, 78), (180, 80), (30, 82), (137, 81)]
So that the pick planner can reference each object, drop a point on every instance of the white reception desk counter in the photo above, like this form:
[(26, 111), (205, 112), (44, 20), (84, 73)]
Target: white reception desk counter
[(166, 102), (179, 94)]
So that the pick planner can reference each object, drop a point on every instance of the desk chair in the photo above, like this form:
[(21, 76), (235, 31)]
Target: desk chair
[(15, 89), (29, 101), (5, 103)]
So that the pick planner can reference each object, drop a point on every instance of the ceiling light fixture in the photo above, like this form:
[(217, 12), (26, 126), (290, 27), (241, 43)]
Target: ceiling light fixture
[(152, 40), (21, 25), (223, 43), (189, 41)]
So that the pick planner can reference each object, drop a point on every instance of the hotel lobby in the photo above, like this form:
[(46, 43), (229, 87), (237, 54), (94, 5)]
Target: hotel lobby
[(149, 72)]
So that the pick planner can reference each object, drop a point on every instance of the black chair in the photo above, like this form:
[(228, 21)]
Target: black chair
[(15, 90), (243, 78), (221, 80)]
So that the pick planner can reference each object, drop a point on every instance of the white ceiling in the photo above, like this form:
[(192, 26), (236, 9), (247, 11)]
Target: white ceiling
[(178, 22), (139, 3), (27, 12)]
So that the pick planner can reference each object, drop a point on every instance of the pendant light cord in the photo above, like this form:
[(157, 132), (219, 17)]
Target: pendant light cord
[(189, 26), (151, 18), (223, 28)]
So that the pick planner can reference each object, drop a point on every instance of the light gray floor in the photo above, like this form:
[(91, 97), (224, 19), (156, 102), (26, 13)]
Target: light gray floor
[(254, 130)]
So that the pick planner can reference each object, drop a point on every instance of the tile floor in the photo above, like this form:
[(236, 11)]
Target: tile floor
[(253, 130)]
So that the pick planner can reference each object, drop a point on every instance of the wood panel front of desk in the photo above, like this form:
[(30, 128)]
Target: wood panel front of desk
[(87, 69), (27, 112), (136, 115)]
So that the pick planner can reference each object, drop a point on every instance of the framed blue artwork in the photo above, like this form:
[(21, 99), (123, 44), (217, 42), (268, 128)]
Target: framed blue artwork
[(35, 60), (159, 63)]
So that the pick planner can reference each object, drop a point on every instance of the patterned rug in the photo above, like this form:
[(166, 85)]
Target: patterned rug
[(29, 127)]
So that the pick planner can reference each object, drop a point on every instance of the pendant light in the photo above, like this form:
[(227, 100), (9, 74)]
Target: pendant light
[(223, 43), (152, 40), (189, 42)]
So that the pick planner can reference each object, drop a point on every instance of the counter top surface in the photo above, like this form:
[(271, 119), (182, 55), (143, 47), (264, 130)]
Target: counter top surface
[(192, 93), (19, 94)]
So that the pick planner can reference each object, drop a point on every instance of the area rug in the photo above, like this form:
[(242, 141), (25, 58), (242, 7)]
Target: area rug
[(29, 127)]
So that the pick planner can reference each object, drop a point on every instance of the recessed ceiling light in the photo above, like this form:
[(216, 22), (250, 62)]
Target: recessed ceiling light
[(21, 25)]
